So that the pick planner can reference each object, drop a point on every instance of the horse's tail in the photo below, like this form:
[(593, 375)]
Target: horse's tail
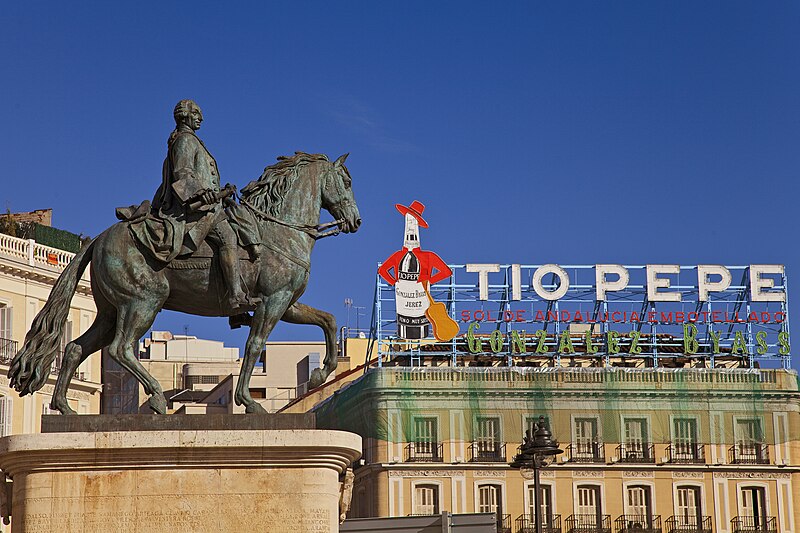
[(30, 368)]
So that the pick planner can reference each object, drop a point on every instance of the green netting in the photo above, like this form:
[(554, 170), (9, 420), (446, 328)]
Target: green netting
[(385, 401)]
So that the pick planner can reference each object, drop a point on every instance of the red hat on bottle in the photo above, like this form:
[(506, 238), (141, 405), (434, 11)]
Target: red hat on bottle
[(415, 209)]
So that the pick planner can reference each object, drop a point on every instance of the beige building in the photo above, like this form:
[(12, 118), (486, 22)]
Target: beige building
[(687, 450), (28, 271)]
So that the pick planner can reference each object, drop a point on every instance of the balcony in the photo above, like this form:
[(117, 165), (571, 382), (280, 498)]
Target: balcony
[(503, 523), (639, 453), (629, 523), (753, 524), (586, 452), (588, 523), (750, 453), (688, 524), (526, 523), (487, 452), (8, 350), (424, 452), (686, 453)]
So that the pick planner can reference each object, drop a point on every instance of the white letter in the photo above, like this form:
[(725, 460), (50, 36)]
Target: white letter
[(654, 283), (483, 276), (757, 283), (604, 285), (516, 283), (704, 286), (550, 269)]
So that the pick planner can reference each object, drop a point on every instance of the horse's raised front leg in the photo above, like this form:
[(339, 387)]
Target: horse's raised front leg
[(305, 314), (266, 315)]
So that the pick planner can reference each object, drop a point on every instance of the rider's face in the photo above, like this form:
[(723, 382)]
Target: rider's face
[(195, 118)]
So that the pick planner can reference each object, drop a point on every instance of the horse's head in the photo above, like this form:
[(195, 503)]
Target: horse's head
[(337, 196)]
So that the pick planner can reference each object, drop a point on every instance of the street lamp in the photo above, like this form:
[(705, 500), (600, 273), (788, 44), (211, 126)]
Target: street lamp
[(536, 452)]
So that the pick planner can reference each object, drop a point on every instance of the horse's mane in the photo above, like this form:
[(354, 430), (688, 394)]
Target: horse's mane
[(268, 191)]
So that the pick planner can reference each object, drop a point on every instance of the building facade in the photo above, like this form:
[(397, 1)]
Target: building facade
[(686, 450)]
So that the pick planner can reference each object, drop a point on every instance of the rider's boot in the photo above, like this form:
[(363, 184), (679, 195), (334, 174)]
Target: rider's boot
[(229, 261)]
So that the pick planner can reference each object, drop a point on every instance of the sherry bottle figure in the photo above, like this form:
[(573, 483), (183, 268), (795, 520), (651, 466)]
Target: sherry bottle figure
[(410, 270)]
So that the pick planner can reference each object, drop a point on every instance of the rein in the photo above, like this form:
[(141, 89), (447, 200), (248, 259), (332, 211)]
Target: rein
[(313, 231)]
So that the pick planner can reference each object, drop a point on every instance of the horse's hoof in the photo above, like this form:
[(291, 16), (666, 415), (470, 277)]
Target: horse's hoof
[(158, 404), (255, 409), (317, 378), (63, 408)]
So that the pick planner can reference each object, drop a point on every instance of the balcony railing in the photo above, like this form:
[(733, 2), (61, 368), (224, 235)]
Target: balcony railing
[(631, 523), (688, 524), (750, 453), (526, 523), (503, 523), (753, 524), (640, 452), (8, 349), (686, 452), (586, 452), (424, 452), (588, 523), (487, 452)]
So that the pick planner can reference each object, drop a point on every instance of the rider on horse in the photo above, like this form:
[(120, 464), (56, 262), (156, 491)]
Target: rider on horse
[(189, 199)]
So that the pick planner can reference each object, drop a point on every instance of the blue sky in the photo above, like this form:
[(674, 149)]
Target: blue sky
[(534, 132)]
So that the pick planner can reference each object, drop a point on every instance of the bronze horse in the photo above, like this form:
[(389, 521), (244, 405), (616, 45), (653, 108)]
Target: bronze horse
[(130, 287)]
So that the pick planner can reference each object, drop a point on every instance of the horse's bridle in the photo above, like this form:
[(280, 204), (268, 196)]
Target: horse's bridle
[(316, 232)]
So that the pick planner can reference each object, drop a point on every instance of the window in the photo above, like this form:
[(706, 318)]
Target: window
[(490, 499), (689, 508), (749, 447), (685, 446), (754, 508), (588, 506), (488, 441), (546, 502), (587, 447), (426, 439), (7, 345), (639, 507), (636, 445), (426, 500), (6, 415)]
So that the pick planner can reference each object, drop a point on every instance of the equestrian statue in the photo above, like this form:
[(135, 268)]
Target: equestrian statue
[(195, 249)]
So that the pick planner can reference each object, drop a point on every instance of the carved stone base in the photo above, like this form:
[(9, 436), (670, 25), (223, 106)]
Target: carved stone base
[(166, 481)]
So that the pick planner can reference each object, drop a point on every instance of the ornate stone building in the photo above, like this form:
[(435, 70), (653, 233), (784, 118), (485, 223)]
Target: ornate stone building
[(654, 450)]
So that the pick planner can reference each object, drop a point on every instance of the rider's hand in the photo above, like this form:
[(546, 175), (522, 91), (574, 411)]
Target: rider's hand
[(209, 197)]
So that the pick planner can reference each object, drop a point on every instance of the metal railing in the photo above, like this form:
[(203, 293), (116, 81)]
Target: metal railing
[(686, 452), (688, 524), (487, 452), (503, 523), (754, 524), (631, 523), (638, 452), (749, 453), (586, 452), (588, 523), (8, 348), (424, 452), (526, 523)]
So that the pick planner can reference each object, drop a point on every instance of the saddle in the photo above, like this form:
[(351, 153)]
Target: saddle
[(201, 259)]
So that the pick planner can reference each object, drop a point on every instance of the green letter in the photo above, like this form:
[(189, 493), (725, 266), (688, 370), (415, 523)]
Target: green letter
[(690, 344), (635, 348), (714, 335), (565, 344), (474, 344), (496, 341), (518, 341), (541, 347), (783, 340), (739, 344), (613, 342), (761, 339), (590, 348)]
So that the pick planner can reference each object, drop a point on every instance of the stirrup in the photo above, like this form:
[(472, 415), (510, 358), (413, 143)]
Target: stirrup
[(242, 319)]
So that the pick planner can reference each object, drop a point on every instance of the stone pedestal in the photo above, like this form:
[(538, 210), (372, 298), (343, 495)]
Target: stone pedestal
[(178, 480)]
